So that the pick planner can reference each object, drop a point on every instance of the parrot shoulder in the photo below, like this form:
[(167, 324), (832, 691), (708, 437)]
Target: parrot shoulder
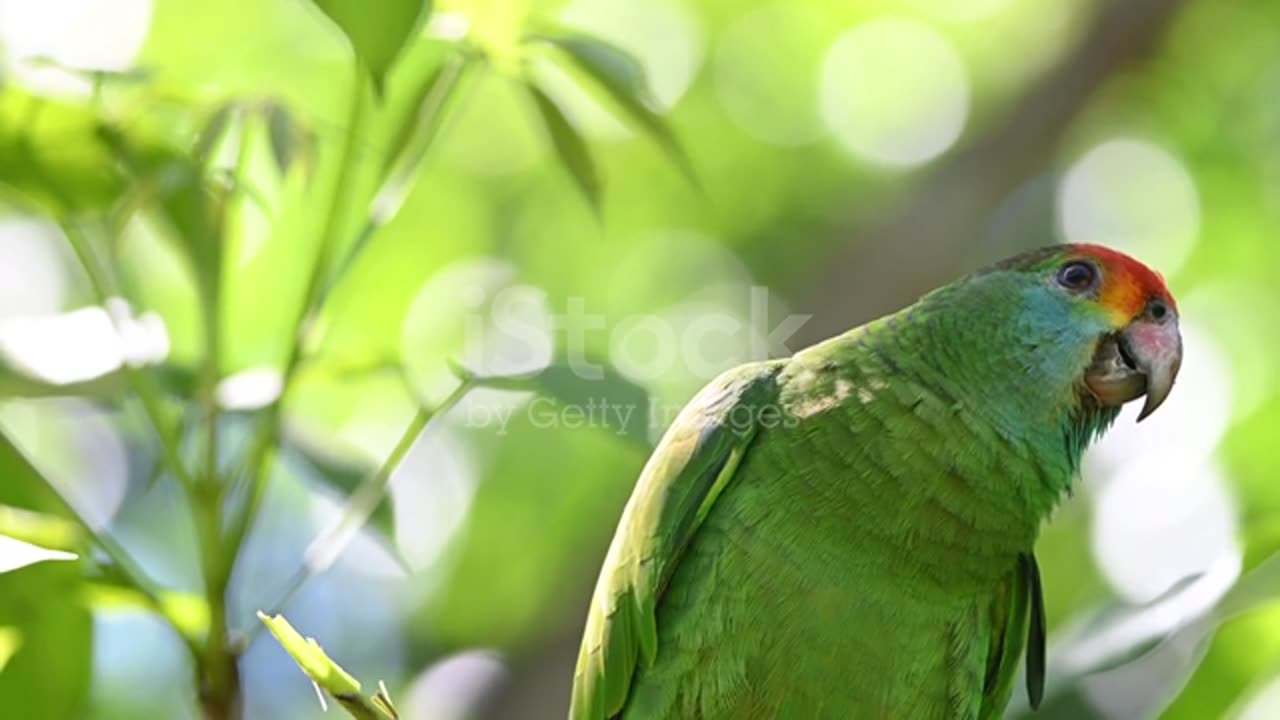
[(690, 467)]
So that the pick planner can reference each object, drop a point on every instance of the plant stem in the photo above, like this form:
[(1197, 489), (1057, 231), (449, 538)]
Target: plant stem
[(262, 448), (219, 681), (326, 548)]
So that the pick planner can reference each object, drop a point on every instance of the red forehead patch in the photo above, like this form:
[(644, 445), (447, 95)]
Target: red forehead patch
[(1127, 284)]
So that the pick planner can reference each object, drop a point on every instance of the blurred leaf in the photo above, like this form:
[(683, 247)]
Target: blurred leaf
[(175, 186), (421, 115), (50, 156), (48, 632), (570, 147), (1165, 658), (610, 402), (1259, 586), (412, 139), (42, 529), (290, 141), (1243, 653), (22, 485), (377, 34), (48, 674), (16, 554), (213, 132), (14, 383), (327, 674), (188, 612), (109, 388), (622, 77)]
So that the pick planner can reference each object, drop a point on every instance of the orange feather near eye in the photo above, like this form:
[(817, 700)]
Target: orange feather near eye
[(1127, 285)]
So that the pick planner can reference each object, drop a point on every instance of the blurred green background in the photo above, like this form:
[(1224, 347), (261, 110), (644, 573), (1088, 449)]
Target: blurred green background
[(848, 156)]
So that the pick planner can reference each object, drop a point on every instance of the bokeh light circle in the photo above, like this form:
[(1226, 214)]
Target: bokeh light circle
[(1134, 196), (1162, 508), (663, 36), (32, 280), (960, 10), (894, 92), (771, 101), (42, 39)]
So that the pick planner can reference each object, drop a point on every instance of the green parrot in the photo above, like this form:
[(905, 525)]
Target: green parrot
[(848, 533)]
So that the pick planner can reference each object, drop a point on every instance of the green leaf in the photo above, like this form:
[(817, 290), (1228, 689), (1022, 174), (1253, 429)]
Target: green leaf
[(597, 396), (23, 486), (50, 641), (377, 33), (420, 113), (327, 674), (189, 612), (107, 389), (413, 137), (622, 78), (213, 132), (41, 529), (290, 141), (50, 157), (569, 145), (1257, 587), (174, 185)]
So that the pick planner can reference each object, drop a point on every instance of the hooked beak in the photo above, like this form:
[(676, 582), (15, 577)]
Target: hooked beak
[(1141, 359)]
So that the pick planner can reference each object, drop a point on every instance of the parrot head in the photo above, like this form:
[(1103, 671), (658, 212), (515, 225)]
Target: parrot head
[(1126, 321)]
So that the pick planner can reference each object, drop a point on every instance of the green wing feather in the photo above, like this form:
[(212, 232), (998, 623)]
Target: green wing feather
[(687, 472), (1018, 623)]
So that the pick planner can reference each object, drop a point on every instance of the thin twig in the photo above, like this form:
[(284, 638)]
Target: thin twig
[(328, 546)]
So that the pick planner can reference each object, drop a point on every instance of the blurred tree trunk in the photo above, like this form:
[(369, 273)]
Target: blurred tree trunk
[(893, 259)]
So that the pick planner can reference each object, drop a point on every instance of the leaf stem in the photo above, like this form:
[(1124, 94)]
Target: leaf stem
[(219, 685), (328, 546)]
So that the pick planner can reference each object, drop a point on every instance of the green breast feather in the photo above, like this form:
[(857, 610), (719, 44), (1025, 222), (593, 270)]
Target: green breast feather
[(693, 465)]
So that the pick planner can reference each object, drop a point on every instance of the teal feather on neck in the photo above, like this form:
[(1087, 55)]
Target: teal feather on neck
[(985, 340)]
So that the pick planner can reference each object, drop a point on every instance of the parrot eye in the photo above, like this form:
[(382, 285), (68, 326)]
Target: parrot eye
[(1077, 276), (1158, 310)]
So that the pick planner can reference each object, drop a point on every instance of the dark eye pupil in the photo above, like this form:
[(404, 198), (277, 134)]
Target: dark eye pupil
[(1076, 276), (1158, 310)]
